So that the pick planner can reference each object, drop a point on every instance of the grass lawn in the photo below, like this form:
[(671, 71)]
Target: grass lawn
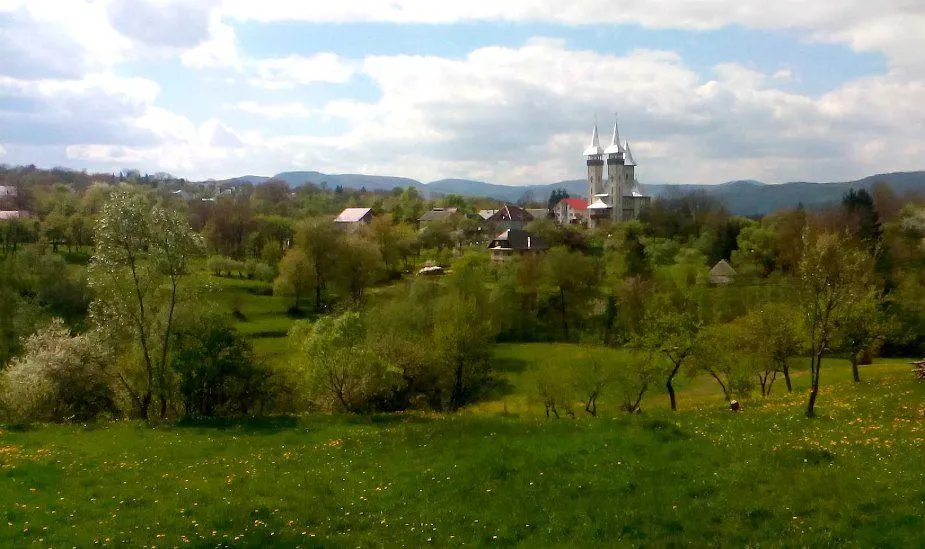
[(703, 476)]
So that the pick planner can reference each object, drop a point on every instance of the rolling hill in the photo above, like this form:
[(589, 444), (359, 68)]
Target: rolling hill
[(745, 197)]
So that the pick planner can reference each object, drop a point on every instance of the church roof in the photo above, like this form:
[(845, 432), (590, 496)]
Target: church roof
[(595, 148), (598, 205), (615, 146), (630, 161)]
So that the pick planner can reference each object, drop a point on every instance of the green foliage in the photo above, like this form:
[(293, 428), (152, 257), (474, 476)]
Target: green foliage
[(342, 374), (218, 373), (142, 255), (59, 378), (834, 277)]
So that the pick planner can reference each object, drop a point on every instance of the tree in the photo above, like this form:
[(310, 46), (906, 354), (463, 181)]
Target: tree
[(573, 278), (672, 332), (861, 331), (833, 276), (632, 378), (341, 372), (556, 196), (295, 279), (773, 334), (359, 265), (219, 375), (320, 241), (718, 354), (463, 338), (142, 256)]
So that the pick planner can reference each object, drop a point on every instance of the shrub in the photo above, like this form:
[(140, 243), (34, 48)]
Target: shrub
[(235, 266), (218, 373), (59, 378), (264, 272), (342, 373), (218, 264), (250, 268)]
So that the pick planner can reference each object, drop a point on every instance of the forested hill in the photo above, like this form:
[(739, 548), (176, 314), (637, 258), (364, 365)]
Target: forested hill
[(741, 197)]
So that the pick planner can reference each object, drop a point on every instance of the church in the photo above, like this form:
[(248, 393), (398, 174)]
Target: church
[(617, 198)]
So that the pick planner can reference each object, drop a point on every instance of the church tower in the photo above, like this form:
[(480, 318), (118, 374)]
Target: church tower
[(617, 186), (595, 155)]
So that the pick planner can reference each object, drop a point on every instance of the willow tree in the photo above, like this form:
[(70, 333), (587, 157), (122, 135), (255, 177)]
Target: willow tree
[(142, 256), (835, 276)]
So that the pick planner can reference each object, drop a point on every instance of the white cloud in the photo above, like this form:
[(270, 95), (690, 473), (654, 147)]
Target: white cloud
[(275, 110), (2, 151), (296, 70), (220, 50), (889, 26)]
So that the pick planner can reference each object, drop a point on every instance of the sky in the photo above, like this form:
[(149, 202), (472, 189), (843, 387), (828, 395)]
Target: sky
[(507, 92)]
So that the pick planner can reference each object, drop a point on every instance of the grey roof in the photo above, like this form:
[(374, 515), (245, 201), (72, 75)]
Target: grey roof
[(538, 213), (438, 213), (352, 215), (13, 214), (517, 239), (723, 268), (7, 190), (509, 212), (486, 214)]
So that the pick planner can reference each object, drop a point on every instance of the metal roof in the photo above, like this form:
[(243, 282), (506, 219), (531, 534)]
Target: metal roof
[(615, 146), (352, 215), (594, 149), (598, 205), (629, 160)]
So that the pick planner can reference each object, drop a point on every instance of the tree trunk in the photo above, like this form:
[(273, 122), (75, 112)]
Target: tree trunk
[(815, 366), (787, 378), (564, 320), (670, 387), (854, 369), (723, 385)]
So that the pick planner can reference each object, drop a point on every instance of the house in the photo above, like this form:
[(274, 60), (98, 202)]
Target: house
[(437, 214), (486, 214), (571, 210), (511, 217), (514, 242), (13, 214), (183, 195), (8, 190), (538, 213), (722, 273), (352, 219)]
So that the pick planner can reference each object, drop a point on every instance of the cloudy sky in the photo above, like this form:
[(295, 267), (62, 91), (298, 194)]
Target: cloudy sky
[(504, 91)]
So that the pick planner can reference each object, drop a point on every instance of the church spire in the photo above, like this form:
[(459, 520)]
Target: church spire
[(595, 148), (630, 161), (615, 146)]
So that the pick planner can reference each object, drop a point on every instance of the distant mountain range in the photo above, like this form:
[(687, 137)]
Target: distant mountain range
[(741, 197)]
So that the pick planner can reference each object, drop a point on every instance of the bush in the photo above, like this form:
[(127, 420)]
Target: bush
[(250, 268), (59, 378), (342, 373), (218, 264), (218, 373), (264, 272), (235, 266)]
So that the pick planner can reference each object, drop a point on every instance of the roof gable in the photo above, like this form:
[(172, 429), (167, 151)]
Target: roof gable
[(352, 215)]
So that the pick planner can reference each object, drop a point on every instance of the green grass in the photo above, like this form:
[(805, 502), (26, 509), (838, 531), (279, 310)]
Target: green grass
[(703, 476)]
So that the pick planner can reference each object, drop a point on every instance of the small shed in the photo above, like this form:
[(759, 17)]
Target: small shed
[(722, 273)]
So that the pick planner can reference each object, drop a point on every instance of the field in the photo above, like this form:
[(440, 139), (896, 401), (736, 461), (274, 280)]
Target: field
[(702, 476), (496, 474)]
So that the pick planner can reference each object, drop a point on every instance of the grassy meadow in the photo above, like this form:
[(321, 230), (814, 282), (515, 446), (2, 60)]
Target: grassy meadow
[(497, 474)]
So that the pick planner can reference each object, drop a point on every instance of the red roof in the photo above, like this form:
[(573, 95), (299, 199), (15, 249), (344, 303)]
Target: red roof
[(576, 203)]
